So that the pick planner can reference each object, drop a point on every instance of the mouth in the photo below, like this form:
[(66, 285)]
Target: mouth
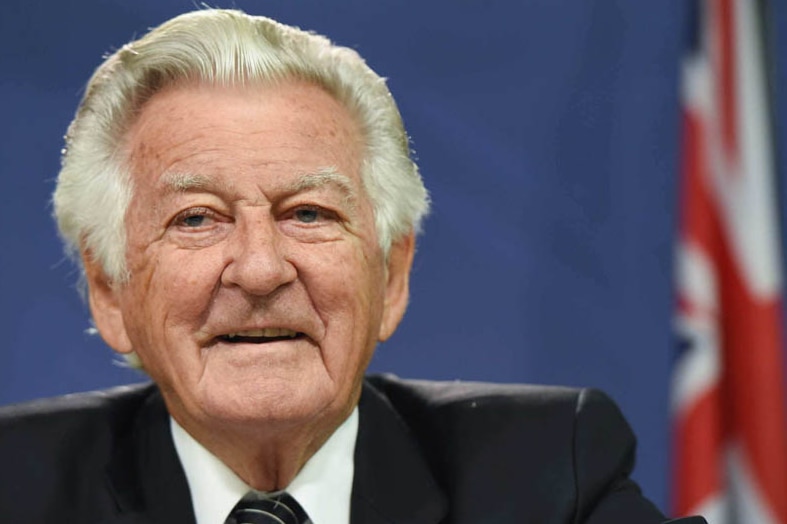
[(260, 336)]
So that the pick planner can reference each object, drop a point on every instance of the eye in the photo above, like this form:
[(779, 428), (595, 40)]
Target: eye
[(193, 218), (307, 215), (311, 214)]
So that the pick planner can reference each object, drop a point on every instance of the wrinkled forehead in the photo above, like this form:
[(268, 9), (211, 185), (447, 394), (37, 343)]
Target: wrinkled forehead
[(290, 122), (246, 144)]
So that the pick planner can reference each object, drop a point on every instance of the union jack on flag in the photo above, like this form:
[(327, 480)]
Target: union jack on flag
[(729, 422)]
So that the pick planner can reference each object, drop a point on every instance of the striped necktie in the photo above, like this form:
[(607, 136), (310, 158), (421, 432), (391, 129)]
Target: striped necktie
[(271, 508)]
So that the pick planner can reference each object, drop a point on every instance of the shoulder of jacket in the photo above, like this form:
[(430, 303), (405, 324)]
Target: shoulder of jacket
[(457, 394), (493, 441), (69, 409)]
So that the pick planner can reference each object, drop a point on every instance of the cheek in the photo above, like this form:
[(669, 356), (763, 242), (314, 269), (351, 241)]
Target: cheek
[(173, 287), (346, 287), (187, 282), (341, 277), (190, 275)]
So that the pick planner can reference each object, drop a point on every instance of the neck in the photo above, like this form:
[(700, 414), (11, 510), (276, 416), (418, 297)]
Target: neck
[(268, 464), (267, 456)]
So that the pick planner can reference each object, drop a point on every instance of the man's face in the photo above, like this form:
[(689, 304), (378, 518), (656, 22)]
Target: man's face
[(257, 288)]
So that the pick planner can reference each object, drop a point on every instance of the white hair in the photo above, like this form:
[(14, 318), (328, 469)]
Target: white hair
[(221, 47)]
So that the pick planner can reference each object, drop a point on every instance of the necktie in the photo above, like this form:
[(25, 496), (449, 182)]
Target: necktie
[(272, 508)]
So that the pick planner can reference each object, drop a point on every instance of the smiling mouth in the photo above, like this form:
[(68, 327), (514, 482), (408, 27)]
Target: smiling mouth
[(260, 336)]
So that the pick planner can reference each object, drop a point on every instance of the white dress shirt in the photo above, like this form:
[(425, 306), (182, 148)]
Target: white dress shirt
[(323, 486)]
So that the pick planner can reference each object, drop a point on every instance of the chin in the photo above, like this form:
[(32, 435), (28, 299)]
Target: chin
[(270, 403)]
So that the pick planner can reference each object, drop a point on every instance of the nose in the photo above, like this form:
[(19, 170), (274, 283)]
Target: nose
[(255, 260)]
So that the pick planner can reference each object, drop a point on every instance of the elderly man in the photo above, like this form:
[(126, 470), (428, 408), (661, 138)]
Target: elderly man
[(242, 201)]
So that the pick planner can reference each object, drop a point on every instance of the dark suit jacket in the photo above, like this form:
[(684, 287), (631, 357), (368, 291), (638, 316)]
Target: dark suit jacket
[(427, 453)]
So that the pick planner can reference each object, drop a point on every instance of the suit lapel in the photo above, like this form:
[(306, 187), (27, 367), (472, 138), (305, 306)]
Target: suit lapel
[(145, 475), (392, 482)]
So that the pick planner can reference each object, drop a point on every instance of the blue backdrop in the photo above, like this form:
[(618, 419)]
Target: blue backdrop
[(546, 131)]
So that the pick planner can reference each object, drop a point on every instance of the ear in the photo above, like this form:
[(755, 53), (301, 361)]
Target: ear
[(104, 301), (397, 287)]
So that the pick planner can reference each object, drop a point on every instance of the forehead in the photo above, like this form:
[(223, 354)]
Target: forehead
[(288, 128)]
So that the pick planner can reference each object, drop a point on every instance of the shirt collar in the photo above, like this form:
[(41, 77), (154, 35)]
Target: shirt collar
[(323, 486)]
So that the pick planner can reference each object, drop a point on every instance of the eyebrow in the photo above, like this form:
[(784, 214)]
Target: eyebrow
[(186, 182), (323, 177), (327, 176)]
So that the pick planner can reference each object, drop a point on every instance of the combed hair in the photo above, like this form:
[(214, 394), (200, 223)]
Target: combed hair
[(221, 47)]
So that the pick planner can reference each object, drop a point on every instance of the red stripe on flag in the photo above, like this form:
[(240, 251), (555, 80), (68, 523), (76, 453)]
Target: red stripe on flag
[(727, 92), (696, 204), (698, 446), (753, 381)]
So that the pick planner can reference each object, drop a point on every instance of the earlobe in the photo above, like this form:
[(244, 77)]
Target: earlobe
[(397, 290), (105, 305)]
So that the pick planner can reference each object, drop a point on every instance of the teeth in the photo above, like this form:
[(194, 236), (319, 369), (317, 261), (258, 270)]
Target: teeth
[(267, 332)]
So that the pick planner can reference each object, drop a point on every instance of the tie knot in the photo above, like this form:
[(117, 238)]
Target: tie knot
[(272, 508)]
